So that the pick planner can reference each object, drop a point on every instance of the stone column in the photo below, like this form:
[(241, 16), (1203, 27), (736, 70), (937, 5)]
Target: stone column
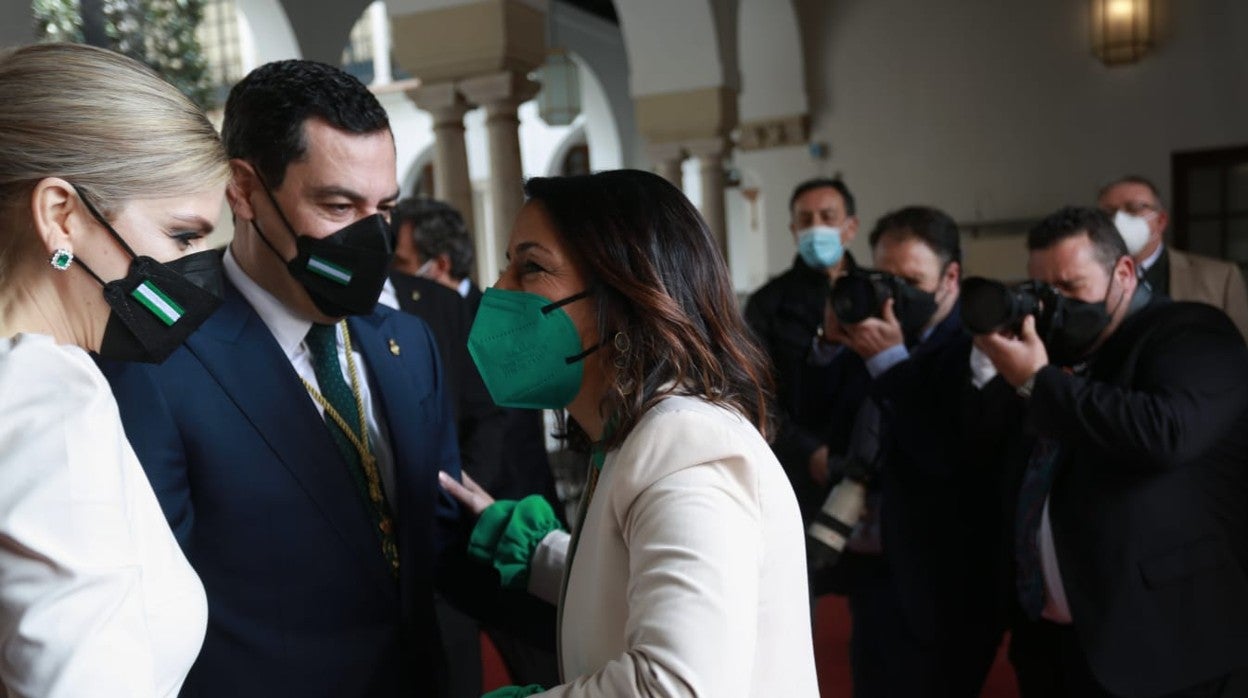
[(501, 93), (710, 155), (450, 156), (667, 159)]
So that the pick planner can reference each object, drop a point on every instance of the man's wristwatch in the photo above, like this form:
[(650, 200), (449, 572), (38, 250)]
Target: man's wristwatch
[(1024, 390)]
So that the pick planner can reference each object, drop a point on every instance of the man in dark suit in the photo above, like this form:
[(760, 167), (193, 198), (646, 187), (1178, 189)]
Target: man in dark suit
[(919, 573), (504, 450), (432, 244), (296, 454), (786, 315), (1131, 534)]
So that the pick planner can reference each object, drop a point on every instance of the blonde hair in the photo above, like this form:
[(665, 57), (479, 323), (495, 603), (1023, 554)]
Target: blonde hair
[(101, 121)]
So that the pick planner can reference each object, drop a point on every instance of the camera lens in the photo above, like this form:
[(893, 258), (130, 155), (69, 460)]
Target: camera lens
[(987, 305)]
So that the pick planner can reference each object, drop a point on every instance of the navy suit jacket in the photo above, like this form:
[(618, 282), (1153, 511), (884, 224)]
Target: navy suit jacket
[(300, 598), (940, 489)]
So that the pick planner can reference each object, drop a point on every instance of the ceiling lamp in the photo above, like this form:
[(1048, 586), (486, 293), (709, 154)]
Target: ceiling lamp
[(1122, 30)]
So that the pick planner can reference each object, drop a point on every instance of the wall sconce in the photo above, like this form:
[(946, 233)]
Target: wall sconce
[(1122, 30)]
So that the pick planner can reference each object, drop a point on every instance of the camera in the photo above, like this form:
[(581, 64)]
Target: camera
[(861, 293), (835, 521), (990, 306)]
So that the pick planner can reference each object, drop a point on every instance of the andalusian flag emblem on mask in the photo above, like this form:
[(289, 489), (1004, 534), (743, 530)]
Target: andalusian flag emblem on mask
[(155, 300), (329, 270)]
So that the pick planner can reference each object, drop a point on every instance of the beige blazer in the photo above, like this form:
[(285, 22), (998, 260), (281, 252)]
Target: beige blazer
[(1214, 281), (688, 574)]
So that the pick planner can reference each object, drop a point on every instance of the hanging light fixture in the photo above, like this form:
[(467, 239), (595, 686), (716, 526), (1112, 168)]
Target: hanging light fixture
[(559, 102), (1122, 30)]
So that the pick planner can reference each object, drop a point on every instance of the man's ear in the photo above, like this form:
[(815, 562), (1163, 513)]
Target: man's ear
[(1163, 222), (849, 230), (1124, 270), (243, 183), (443, 264), (54, 210), (953, 273)]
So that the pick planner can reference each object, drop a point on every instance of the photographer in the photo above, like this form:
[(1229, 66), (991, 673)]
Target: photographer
[(1131, 534), (918, 572)]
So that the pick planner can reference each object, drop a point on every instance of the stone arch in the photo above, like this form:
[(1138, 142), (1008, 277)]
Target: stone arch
[(322, 27), (575, 137), (773, 73), (267, 32), (699, 36)]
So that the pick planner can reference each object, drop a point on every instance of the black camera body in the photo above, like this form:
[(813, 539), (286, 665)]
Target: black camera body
[(990, 306), (861, 294)]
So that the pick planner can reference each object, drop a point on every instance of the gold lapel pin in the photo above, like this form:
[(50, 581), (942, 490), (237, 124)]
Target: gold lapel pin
[(394, 347)]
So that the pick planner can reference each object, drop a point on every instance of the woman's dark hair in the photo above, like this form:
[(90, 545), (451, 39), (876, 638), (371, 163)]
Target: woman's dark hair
[(667, 314)]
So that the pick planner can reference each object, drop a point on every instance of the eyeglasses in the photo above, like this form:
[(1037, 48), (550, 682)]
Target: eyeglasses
[(1134, 208)]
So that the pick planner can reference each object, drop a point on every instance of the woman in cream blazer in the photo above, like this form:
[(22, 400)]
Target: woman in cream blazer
[(686, 573)]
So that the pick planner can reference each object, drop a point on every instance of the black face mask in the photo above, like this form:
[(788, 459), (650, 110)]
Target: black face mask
[(156, 306), (914, 308), (1074, 327), (344, 272)]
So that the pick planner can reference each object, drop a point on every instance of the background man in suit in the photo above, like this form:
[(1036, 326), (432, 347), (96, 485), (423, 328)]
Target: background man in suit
[(1131, 534), (1135, 206), (786, 316), (504, 450), (919, 575), (433, 242), (296, 454)]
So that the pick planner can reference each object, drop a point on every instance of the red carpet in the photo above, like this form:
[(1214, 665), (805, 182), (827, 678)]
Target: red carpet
[(831, 657)]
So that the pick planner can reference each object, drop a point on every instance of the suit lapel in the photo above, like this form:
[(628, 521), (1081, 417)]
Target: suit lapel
[(241, 354), (394, 364)]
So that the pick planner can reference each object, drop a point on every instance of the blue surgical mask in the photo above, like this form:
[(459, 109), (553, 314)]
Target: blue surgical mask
[(820, 246)]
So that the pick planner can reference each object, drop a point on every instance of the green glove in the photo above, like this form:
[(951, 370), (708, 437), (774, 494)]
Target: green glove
[(507, 534), (514, 691)]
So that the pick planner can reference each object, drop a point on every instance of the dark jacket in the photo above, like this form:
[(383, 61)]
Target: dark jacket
[(300, 598), (816, 404), (1148, 506)]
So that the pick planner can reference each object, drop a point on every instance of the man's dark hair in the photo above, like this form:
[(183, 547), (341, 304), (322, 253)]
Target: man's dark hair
[(437, 229), (1072, 221), (266, 111), (820, 183), (1133, 179), (930, 225)]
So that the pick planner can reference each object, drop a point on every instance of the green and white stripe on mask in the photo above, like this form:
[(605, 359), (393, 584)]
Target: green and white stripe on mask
[(329, 270), (159, 304)]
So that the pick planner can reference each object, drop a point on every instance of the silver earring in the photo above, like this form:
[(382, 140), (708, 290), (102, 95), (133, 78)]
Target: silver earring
[(62, 259)]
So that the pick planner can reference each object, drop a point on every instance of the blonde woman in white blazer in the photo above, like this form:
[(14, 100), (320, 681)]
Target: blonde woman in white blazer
[(106, 171), (685, 574)]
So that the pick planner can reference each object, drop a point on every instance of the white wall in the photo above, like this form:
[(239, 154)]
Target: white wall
[(995, 110)]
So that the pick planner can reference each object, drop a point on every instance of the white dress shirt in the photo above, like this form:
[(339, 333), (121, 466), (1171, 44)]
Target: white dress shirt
[(290, 331), (96, 597)]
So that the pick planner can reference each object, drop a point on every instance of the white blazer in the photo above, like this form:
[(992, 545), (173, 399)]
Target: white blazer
[(687, 575), (96, 598)]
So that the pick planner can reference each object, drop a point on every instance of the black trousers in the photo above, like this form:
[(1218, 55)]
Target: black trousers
[(1050, 663), (889, 660)]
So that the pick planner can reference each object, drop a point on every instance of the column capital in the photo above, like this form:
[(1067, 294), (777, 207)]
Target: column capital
[(506, 89), (664, 152), (707, 148), (442, 100), (469, 37)]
